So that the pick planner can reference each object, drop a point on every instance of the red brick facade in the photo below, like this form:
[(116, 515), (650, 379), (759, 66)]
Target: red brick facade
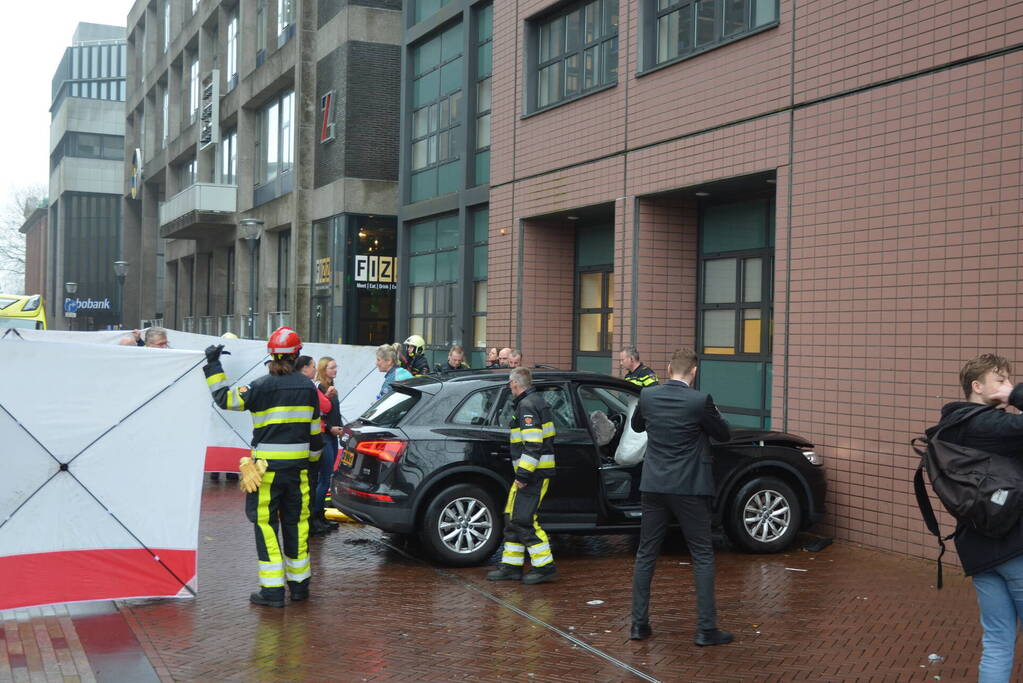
[(894, 137), (36, 231)]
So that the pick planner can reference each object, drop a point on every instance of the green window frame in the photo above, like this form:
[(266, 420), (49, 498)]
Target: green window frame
[(433, 281), (484, 67)]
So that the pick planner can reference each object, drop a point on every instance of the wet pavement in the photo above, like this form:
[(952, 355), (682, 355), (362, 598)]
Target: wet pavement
[(381, 613)]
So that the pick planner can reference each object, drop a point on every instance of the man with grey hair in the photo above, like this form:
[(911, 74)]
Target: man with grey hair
[(156, 337), (532, 447), (515, 359), (635, 371)]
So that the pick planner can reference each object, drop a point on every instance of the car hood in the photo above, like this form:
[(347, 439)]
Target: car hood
[(744, 436)]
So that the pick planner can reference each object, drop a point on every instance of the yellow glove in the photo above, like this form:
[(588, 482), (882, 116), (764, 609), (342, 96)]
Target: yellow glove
[(252, 474)]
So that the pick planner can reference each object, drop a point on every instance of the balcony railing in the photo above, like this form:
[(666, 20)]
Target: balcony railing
[(188, 324), (228, 323), (277, 319)]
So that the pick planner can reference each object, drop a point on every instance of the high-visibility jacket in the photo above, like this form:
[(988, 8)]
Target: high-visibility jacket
[(417, 364), (532, 437), (642, 376), (285, 415)]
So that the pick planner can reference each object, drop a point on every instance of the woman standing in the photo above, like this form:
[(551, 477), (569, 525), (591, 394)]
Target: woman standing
[(326, 372), (387, 363)]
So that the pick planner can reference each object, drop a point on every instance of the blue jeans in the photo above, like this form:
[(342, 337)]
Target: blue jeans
[(327, 460), (1000, 598)]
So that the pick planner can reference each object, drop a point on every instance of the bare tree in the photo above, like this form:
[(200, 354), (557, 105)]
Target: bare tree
[(21, 202)]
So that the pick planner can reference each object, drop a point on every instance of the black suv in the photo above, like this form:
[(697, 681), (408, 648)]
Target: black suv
[(432, 458)]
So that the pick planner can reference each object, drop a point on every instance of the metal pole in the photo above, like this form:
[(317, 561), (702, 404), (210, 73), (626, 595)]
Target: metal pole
[(252, 287), (120, 301)]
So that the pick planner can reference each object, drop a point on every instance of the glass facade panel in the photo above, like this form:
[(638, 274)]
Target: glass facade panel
[(733, 383), (590, 331), (751, 329), (737, 226), (752, 279), (436, 102), (719, 281), (719, 331), (591, 290), (422, 268), (569, 46), (681, 28)]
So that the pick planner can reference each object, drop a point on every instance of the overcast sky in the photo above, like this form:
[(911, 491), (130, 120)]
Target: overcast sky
[(38, 32)]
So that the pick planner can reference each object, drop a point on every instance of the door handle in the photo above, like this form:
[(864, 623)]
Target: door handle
[(495, 454)]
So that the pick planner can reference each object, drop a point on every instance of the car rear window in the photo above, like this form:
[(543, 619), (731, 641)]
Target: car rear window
[(389, 410)]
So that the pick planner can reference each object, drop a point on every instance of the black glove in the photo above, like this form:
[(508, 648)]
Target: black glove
[(213, 353)]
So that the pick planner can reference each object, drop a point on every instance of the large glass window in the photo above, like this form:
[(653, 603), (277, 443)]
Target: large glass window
[(232, 51), (480, 226), (187, 174), (594, 298), (193, 89), (576, 52), (437, 105), (260, 31), (165, 132), (433, 277), (681, 28), (277, 138), (735, 309), (285, 15), (484, 61), (427, 8), (166, 24)]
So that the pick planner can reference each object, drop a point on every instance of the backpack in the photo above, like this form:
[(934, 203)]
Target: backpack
[(980, 489)]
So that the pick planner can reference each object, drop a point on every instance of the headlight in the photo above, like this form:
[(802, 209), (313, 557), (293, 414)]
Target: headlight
[(32, 304), (813, 457)]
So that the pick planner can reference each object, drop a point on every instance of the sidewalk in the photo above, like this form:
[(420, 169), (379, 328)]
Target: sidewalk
[(380, 614)]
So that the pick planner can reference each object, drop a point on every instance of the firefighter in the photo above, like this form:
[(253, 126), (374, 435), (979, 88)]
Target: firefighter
[(532, 447), (413, 358), (286, 441), (635, 371)]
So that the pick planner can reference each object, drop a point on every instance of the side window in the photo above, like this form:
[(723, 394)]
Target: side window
[(556, 398), (476, 407)]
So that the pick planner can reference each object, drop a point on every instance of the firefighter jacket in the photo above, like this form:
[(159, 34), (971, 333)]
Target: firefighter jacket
[(285, 415), (417, 364), (532, 438), (642, 376)]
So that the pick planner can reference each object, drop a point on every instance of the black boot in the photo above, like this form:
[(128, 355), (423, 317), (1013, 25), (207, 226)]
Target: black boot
[(317, 527), (505, 572), (269, 597), (299, 590), (541, 574), (714, 636)]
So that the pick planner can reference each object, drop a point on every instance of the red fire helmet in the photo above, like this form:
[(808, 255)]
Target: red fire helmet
[(283, 340)]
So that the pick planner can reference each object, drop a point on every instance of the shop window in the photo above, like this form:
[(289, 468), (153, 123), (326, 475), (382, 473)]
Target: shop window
[(678, 29), (736, 308), (437, 105), (573, 52)]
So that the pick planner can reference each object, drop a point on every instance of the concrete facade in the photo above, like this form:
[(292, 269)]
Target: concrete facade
[(888, 145), (195, 266), (86, 157)]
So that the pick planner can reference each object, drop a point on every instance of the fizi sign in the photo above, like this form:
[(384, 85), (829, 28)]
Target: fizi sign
[(376, 272)]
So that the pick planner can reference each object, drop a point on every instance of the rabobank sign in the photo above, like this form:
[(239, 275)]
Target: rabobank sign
[(76, 305)]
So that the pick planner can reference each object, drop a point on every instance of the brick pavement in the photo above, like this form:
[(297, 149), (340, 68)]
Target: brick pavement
[(380, 614)]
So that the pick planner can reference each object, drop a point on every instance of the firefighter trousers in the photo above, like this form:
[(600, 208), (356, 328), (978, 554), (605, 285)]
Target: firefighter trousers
[(282, 500), (522, 531)]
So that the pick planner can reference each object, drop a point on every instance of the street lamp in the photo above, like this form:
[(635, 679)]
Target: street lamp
[(249, 229), (120, 273), (71, 288)]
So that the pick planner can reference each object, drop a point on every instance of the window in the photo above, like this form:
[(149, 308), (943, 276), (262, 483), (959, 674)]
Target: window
[(166, 118), (433, 277), (484, 61), (480, 219), (193, 90), (94, 146), (735, 308), (283, 269), (276, 138), (232, 52), (187, 174), (576, 52), (594, 298), (230, 291), (427, 8), (682, 28), (229, 159), (260, 31), (285, 18), (557, 399), (436, 114), (476, 407), (166, 25)]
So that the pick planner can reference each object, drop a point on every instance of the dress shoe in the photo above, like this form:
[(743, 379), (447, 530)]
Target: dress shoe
[(640, 632), (542, 574), (714, 636), (260, 597), (317, 527), (505, 572)]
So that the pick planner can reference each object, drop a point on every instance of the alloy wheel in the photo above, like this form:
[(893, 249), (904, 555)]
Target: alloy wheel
[(767, 516), (465, 525)]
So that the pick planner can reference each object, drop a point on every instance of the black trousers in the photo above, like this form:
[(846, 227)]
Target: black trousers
[(694, 516), (281, 502)]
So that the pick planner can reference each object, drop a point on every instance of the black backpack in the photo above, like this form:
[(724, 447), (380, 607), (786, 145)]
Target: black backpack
[(981, 490)]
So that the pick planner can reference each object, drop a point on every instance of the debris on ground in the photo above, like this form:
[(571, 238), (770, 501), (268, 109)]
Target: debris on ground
[(594, 602)]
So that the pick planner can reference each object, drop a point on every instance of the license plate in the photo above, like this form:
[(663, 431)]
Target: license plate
[(347, 457)]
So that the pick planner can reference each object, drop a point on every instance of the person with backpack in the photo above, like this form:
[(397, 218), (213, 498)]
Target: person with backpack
[(995, 564)]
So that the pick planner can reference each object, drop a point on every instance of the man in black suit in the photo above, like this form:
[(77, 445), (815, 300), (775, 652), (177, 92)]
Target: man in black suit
[(678, 482)]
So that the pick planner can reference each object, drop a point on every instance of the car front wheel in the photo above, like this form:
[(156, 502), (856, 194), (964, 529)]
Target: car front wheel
[(462, 525), (764, 515)]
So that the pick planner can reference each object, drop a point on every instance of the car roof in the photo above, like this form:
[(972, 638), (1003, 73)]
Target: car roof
[(500, 375)]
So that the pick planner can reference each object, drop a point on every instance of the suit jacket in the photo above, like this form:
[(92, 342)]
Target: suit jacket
[(678, 419)]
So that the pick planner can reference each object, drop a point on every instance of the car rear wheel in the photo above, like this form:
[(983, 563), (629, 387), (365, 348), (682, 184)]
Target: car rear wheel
[(764, 515), (462, 525)]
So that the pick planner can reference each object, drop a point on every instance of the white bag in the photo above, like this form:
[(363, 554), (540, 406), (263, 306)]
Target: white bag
[(632, 446)]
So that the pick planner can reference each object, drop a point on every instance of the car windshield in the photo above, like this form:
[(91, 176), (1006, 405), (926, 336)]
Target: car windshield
[(20, 323), (389, 410)]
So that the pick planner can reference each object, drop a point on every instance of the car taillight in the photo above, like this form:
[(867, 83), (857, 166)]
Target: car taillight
[(379, 497), (388, 451)]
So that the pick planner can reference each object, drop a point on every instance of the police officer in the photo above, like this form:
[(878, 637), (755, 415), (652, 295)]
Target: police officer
[(532, 447), (635, 372), (286, 439), (413, 359)]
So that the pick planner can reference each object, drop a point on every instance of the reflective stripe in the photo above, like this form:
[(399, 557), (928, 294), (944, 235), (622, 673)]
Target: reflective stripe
[(514, 547), (548, 430), (302, 552), (271, 572), (515, 435), (297, 570), (281, 415), (513, 560), (532, 435), (527, 462), (281, 451), (217, 381), (235, 400), (546, 461), (314, 426)]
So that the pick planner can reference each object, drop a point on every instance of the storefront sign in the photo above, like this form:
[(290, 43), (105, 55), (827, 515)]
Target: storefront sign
[(323, 271), (75, 305), (376, 272)]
